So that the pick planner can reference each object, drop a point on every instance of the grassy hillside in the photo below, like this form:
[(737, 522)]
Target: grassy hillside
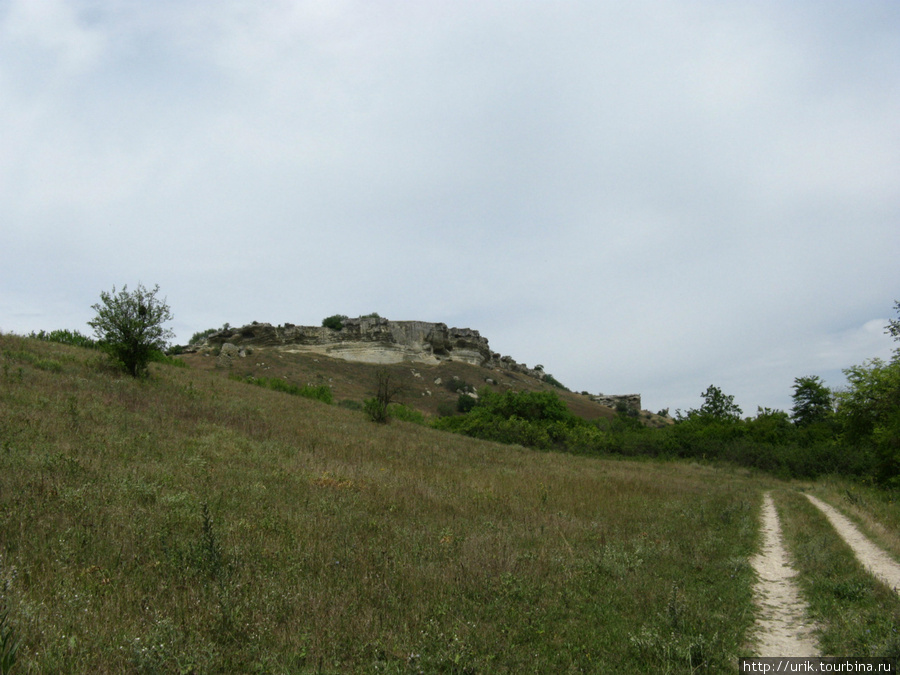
[(192, 523), (425, 387)]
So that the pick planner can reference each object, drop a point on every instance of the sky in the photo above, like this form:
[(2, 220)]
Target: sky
[(644, 197)]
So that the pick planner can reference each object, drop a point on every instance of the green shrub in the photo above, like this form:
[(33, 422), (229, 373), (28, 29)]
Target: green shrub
[(66, 337), (446, 409), (321, 392), (533, 419), (335, 322), (376, 411), (549, 379), (202, 335), (465, 403), (404, 413)]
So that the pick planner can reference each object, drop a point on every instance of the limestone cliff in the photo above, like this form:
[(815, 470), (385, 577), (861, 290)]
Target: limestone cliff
[(374, 340)]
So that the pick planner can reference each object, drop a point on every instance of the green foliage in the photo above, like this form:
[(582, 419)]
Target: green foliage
[(446, 409), (465, 403), (335, 321), (202, 335), (534, 406), (321, 392), (129, 326), (533, 419), (717, 407), (893, 327), (404, 413), (549, 379), (812, 401), (869, 411), (376, 412), (66, 337)]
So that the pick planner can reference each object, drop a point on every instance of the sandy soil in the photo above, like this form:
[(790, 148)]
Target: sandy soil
[(782, 626), (879, 563)]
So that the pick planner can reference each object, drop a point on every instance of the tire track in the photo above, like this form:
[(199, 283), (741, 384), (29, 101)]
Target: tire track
[(782, 626), (875, 560)]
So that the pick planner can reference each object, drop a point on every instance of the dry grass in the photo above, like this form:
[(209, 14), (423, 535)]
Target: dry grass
[(190, 523), (356, 381)]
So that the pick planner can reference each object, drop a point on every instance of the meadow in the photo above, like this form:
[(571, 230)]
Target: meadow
[(192, 523)]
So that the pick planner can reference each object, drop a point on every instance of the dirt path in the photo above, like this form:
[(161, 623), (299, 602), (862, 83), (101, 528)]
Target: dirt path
[(782, 628), (876, 561)]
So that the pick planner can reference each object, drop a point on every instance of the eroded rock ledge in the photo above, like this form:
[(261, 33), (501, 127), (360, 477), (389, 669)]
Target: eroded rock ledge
[(374, 340)]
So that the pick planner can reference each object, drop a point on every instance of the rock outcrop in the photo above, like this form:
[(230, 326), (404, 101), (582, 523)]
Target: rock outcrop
[(628, 401), (373, 340)]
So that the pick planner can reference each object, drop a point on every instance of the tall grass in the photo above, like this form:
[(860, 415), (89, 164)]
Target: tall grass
[(189, 523)]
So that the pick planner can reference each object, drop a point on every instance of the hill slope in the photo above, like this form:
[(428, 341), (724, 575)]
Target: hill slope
[(430, 360), (193, 523)]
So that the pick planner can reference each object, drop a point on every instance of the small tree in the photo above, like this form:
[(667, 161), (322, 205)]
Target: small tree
[(812, 401), (386, 388), (129, 326), (717, 407)]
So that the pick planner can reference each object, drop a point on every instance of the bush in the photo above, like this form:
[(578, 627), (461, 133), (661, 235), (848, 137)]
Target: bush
[(129, 327), (404, 413), (335, 322), (465, 403), (549, 379), (533, 419), (202, 335), (376, 411), (320, 393), (446, 409), (66, 337)]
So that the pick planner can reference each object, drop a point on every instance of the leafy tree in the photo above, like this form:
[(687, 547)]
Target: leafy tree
[(770, 426), (717, 407), (870, 411), (812, 401), (129, 327)]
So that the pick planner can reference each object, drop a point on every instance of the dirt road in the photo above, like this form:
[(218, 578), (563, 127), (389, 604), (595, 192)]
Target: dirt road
[(782, 627), (879, 563)]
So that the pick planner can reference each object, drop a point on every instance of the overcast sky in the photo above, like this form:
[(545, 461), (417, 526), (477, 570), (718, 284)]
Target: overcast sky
[(643, 196)]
